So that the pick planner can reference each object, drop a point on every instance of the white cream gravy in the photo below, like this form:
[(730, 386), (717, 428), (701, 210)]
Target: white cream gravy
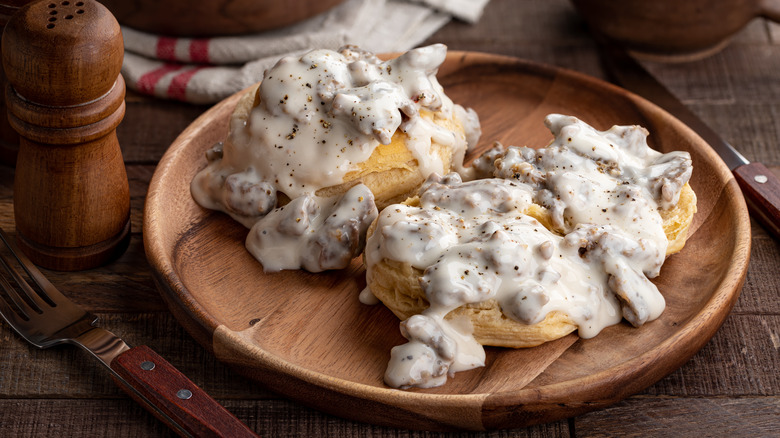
[(319, 116), (313, 234), (474, 243)]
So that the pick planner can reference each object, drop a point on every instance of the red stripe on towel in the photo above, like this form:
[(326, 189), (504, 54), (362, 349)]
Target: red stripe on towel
[(147, 82), (178, 87), (166, 48), (199, 50)]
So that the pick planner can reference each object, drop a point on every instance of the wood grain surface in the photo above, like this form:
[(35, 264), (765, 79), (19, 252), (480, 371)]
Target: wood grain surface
[(729, 388)]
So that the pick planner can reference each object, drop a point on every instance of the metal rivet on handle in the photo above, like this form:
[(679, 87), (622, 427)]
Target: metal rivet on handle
[(761, 179), (147, 366), (184, 394)]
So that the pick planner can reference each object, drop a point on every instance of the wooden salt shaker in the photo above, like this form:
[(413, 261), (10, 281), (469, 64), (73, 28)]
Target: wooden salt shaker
[(65, 98)]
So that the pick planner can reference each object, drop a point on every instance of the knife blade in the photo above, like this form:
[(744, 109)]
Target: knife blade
[(760, 187)]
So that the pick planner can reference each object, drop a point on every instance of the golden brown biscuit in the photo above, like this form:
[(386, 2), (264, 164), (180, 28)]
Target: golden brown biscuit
[(396, 285), (677, 220), (391, 172)]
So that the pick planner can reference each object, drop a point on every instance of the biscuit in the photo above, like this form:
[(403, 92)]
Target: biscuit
[(678, 219), (396, 285), (391, 172)]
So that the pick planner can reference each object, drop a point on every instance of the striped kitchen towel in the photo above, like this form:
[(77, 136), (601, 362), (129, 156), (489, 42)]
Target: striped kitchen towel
[(206, 70)]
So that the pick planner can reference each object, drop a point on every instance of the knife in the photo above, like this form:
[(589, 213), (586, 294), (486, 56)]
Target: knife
[(760, 187)]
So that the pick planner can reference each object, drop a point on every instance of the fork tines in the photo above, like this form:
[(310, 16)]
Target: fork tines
[(17, 288)]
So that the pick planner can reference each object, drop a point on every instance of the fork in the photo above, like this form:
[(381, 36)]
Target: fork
[(44, 317)]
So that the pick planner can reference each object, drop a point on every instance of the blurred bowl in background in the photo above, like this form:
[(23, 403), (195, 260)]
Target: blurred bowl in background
[(207, 18), (673, 30)]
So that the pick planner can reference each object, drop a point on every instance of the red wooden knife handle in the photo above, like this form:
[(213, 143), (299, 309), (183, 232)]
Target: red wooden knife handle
[(170, 391), (761, 189)]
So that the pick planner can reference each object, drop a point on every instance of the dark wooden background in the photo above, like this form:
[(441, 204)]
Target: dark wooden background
[(730, 388)]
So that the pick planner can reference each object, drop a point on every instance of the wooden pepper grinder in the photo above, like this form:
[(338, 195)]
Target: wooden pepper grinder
[(65, 98), (9, 139)]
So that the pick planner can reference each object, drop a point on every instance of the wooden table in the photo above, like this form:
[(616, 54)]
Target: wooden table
[(730, 388)]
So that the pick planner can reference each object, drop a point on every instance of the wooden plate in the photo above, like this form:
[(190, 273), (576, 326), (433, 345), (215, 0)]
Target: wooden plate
[(308, 337)]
